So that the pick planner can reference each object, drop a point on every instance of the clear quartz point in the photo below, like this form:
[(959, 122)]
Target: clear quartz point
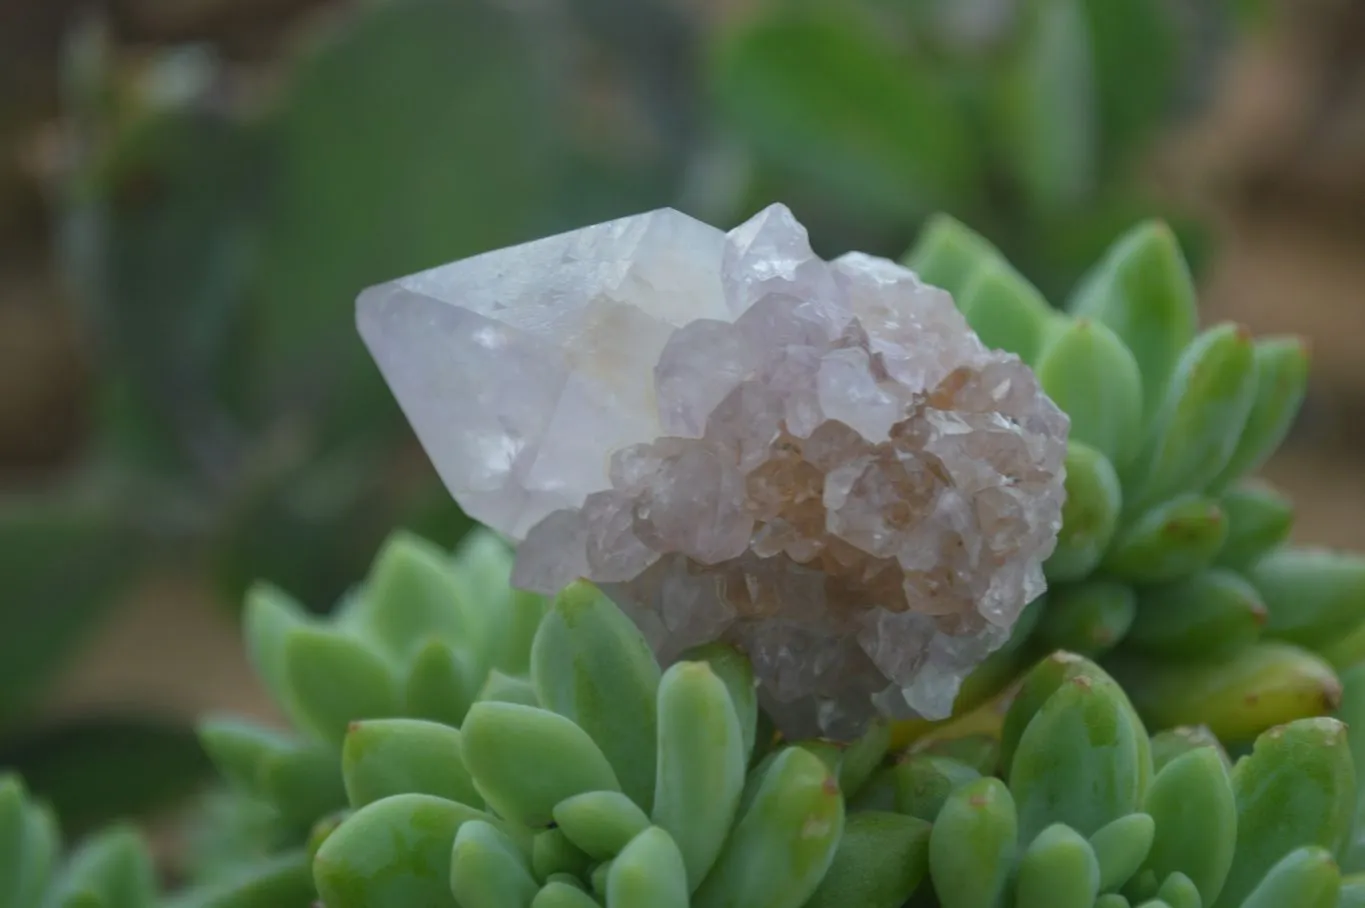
[(816, 461)]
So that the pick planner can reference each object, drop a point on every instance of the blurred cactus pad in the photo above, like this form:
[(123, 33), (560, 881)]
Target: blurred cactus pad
[(1177, 723)]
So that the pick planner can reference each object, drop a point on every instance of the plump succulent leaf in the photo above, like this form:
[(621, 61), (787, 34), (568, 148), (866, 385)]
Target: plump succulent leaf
[(1296, 789), (1059, 869), (591, 664), (1312, 596), (1237, 697), (487, 869), (973, 845), (526, 760), (700, 765), (393, 852), (383, 757), (1082, 760), (1259, 519), (880, 862), (1092, 375), (1090, 514), (785, 841), (334, 679), (1143, 291), (1194, 814)]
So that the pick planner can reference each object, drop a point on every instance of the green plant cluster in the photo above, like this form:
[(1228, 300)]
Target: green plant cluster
[(1027, 118), (114, 868), (1172, 566), (424, 636), (592, 777)]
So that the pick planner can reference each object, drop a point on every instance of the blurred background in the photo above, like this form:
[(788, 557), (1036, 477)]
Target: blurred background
[(193, 191)]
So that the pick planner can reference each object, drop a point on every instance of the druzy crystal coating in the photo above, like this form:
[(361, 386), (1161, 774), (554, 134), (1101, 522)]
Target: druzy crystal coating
[(737, 440)]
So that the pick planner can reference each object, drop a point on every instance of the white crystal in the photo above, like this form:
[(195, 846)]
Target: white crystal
[(737, 440)]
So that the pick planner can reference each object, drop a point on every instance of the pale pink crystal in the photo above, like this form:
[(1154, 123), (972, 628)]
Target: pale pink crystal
[(818, 461)]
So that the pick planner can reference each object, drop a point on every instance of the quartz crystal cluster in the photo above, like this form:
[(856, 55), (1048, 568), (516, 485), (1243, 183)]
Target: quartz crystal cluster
[(737, 440)]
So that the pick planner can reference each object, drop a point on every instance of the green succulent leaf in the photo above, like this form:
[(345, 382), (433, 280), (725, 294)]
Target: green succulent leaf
[(784, 842), (1090, 514), (1038, 686), (1296, 789), (383, 757), (949, 254), (1088, 618), (880, 862), (508, 689), (1092, 375), (1179, 891), (170, 216), (1237, 697), (488, 870), (302, 783), (735, 669), (1194, 809), (285, 879), (41, 851), (1121, 847), (1211, 614), (563, 894), (268, 617), (441, 683), (1281, 384), (1306, 877), (649, 873), (862, 757), (1143, 291), (1312, 596), (973, 845), (1080, 761), (240, 749), (526, 760), (1173, 742), (334, 679), (1259, 519), (700, 765), (590, 663), (600, 822), (1005, 310), (412, 595), (552, 852), (923, 783), (1057, 870), (1172, 540), (1195, 431), (113, 868), (394, 852)]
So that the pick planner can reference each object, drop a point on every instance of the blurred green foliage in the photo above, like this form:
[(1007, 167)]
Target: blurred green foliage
[(215, 229), (1030, 119)]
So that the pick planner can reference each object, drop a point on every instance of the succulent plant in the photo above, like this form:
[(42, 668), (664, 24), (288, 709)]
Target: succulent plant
[(624, 785), (423, 637), (586, 775), (1172, 566)]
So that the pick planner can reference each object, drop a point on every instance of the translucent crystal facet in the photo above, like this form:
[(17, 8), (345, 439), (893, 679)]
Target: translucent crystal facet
[(817, 461)]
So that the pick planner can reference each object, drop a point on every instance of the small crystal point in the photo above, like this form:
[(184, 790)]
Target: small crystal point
[(816, 461)]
